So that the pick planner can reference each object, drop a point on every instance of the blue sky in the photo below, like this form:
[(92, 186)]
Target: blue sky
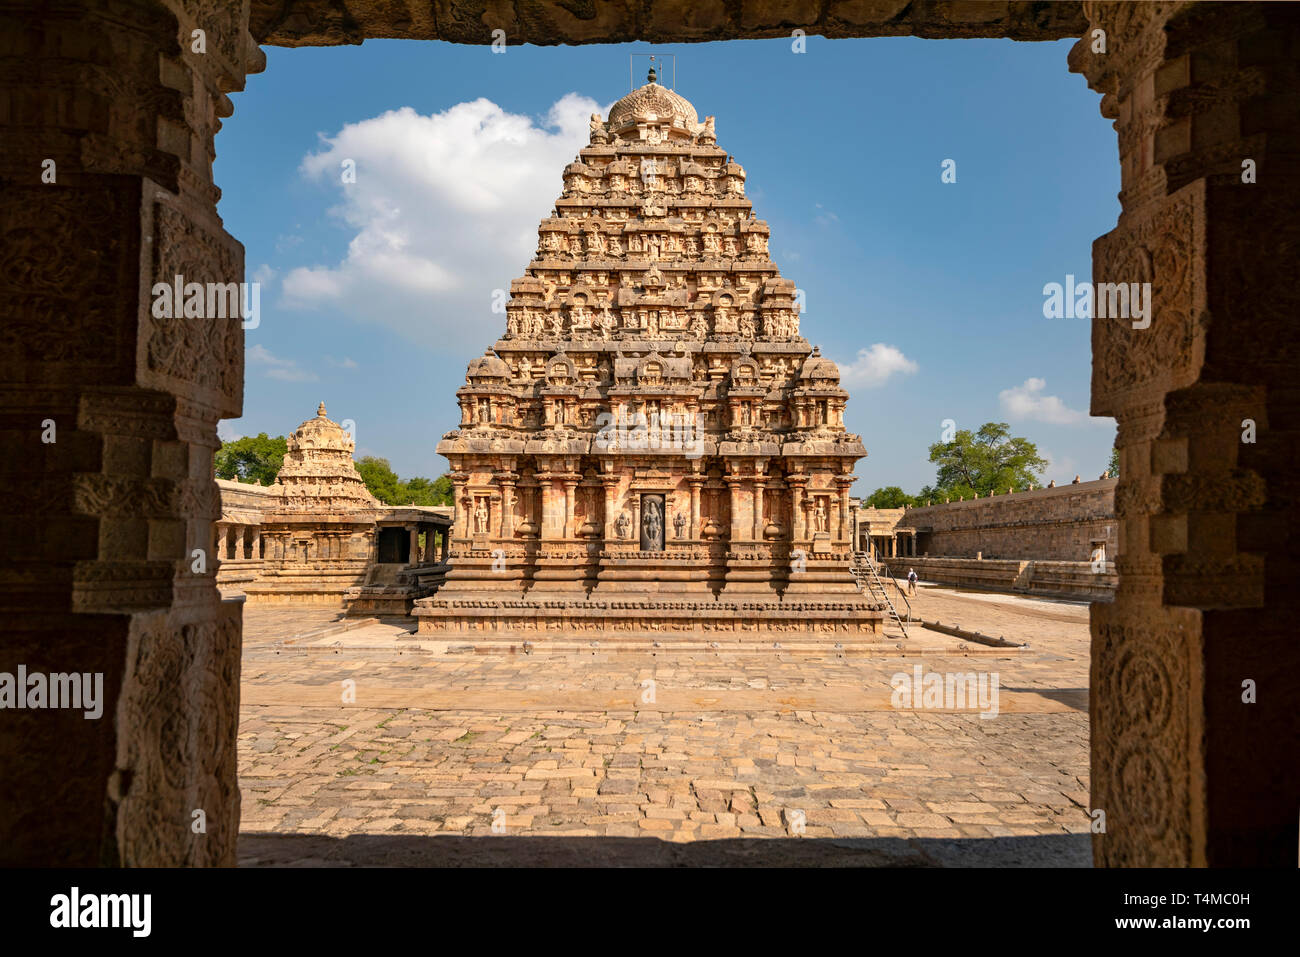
[(377, 293)]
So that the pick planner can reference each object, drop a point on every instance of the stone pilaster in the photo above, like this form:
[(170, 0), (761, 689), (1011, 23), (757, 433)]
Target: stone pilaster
[(1204, 99)]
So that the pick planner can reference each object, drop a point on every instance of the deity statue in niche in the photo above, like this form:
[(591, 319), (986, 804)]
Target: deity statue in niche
[(481, 516), (700, 327), (747, 326), (821, 517), (622, 525), (652, 523), (679, 523)]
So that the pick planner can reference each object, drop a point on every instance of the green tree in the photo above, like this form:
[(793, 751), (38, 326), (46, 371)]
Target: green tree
[(252, 458), (891, 496), (421, 491), (389, 488), (380, 479), (1113, 467), (985, 461)]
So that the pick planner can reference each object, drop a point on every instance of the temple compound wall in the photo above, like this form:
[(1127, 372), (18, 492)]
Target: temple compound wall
[(1060, 541), (317, 536), (651, 446)]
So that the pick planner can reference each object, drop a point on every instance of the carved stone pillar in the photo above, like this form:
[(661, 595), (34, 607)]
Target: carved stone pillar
[(413, 548), (758, 509), (239, 543), (570, 493), (734, 491), (796, 483), (549, 524), (461, 512), (610, 484), (695, 482), (844, 481), (507, 508), (116, 105), (1204, 98)]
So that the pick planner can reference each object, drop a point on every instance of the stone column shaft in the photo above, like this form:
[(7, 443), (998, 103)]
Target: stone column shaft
[(570, 493), (796, 512), (695, 508), (507, 509)]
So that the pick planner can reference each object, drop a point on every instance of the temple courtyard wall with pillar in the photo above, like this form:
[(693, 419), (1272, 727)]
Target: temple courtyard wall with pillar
[(1057, 542)]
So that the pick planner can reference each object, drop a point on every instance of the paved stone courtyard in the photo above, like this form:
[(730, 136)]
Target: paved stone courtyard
[(453, 756)]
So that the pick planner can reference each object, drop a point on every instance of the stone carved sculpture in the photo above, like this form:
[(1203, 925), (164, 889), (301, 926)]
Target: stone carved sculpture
[(679, 523), (622, 525), (652, 524)]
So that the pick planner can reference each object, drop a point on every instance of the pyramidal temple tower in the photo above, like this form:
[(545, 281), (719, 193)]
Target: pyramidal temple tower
[(651, 446)]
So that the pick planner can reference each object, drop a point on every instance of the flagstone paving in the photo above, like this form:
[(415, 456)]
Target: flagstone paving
[(681, 747)]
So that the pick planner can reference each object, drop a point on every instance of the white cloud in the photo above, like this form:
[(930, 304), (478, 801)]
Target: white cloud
[(826, 217), (226, 432), (874, 367), (443, 212), (1027, 402), (274, 367), (1061, 471), (344, 363), (263, 274)]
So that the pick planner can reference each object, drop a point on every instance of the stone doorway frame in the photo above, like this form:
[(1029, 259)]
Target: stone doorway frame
[(99, 526)]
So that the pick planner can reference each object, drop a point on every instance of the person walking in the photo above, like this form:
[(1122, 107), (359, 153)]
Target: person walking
[(911, 581)]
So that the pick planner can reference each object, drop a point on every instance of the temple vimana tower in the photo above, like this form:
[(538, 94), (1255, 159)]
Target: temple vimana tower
[(651, 447)]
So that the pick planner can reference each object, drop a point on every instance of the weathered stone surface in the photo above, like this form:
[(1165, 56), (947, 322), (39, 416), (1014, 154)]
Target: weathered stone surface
[(326, 22)]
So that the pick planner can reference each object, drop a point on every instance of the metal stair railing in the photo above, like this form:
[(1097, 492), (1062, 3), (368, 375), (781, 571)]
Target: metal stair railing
[(864, 572), (887, 577)]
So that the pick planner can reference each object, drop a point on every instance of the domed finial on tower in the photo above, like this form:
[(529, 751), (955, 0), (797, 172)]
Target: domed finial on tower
[(652, 77), (320, 410)]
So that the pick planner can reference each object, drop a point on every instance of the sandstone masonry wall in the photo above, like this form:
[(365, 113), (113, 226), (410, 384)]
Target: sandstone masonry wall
[(1049, 524)]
